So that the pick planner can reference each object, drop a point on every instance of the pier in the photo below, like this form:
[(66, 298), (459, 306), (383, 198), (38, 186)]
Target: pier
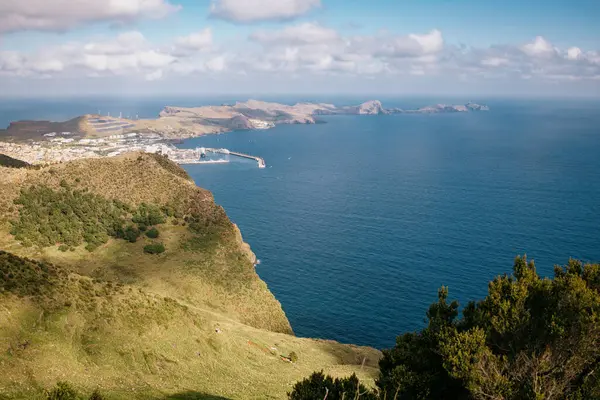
[(259, 160), (196, 156)]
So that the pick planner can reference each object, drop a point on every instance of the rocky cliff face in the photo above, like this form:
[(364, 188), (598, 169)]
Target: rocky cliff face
[(373, 107)]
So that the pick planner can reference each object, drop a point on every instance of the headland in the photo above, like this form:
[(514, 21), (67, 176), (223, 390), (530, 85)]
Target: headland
[(96, 136)]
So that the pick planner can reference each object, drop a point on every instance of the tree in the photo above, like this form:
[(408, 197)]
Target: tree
[(317, 386), (530, 338)]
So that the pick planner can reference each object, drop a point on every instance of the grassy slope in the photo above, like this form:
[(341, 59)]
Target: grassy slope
[(220, 276), (153, 336)]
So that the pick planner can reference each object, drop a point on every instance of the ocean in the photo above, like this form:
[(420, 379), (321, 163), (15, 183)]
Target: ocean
[(359, 220)]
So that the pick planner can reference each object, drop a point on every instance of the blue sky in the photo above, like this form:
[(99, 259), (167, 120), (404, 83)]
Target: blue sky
[(232, 46)]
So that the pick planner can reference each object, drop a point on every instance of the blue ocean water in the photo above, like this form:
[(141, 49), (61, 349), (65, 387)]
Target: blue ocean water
[(358, 221)]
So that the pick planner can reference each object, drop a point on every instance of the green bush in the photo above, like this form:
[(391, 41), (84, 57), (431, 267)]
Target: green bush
[(293, 357), (155, 248), (62, 391), (131, 234), (318, 386), (63, 247), (152, 233), (530, 338), (149, 215)]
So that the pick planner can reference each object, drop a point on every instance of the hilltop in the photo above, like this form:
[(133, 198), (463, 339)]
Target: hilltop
[(120, 273)]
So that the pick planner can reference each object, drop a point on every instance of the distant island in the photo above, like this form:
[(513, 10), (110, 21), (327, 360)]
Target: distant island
[(93, 135)]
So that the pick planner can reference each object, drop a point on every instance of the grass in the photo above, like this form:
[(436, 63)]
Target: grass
[(215, 272), (142, 325), (132, 344)]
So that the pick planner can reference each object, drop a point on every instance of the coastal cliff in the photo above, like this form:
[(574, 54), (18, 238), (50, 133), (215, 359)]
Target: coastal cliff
[(121, 274)]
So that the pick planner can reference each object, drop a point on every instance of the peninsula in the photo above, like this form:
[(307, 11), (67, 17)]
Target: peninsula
[(93, 135)]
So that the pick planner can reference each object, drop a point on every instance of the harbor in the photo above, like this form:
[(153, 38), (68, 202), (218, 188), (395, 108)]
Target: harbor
[(198, 156)]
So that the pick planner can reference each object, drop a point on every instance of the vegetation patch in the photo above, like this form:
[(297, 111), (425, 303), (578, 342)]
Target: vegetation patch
[(70, 217), (152, 233), (155, 248), (320, 386), (25, 277)]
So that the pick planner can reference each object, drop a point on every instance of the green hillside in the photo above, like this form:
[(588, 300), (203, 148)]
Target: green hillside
[(83, 300)]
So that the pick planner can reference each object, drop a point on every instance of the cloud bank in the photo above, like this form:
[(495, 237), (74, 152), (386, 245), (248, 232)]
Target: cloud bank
[(60, 15), (305, 51)]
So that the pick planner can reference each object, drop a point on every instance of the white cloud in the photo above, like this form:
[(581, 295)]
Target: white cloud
[(305, 33), (539, 47), (153, 76), (201, 40), (57, 15), (574, 53), (248, 11), (494, 61), (125, 43), (413, 45), (312, 47), (431, 42), (305, 51), (216, 64)]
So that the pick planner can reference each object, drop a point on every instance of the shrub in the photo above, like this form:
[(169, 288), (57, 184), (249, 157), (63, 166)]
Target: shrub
[(131, 234), (96, 395), (62, 391), (155, 248), (293, 357), (152, 233), (318, 386), (63, 247), (148, 215)]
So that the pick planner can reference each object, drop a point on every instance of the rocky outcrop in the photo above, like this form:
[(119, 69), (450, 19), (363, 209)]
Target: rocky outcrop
[(373, 107)]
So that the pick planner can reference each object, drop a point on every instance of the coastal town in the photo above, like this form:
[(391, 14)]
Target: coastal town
[(63, 146)]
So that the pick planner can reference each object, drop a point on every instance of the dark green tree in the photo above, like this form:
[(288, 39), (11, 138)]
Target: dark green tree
[(318, 386), (530, 338)]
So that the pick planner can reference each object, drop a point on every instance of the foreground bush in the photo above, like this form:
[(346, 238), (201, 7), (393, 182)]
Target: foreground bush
[(318, 386), (530, 338)]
